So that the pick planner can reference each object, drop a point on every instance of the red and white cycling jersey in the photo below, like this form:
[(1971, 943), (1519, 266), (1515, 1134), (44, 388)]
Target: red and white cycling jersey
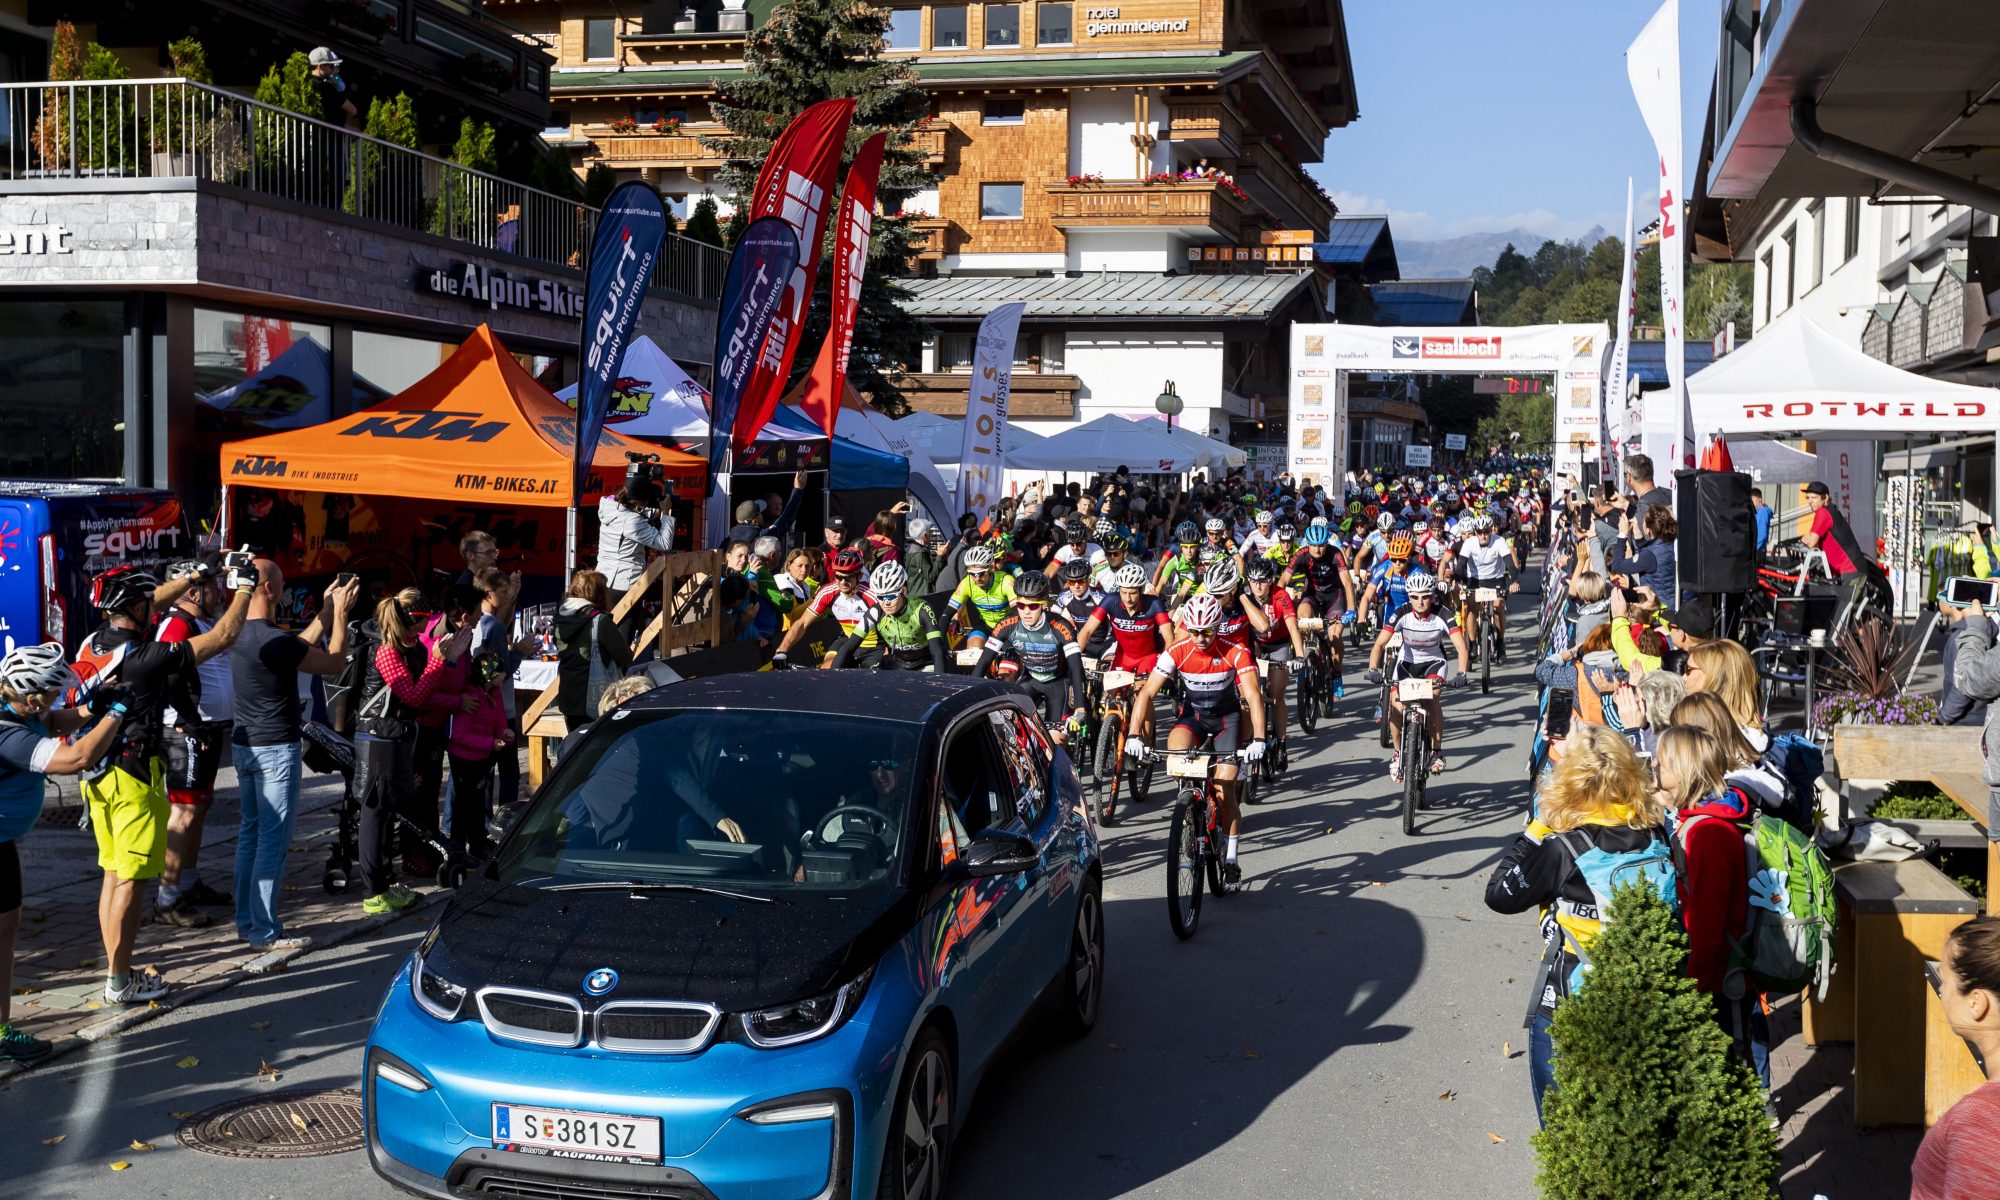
[(1209, 678), (846, 609)]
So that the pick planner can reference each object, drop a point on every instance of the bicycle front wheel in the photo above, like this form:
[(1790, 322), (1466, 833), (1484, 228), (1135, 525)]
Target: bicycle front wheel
[(1110, 769), (1414, 763), (1185, 848), (1308, 702), (1485, 658)]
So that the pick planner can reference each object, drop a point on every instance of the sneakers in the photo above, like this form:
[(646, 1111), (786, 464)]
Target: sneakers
[(139, 989), (1232, 877), (1396, 769), (203, 896), (1339, 689), (1437, 763), (283, 943), (396, 899), (181, 913), (18, 1046)]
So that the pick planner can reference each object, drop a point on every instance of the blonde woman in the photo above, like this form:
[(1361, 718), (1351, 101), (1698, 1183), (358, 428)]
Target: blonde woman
[(1597, 810), (1690, 772), (1590, 603), (1706, 711), (1724, 667)]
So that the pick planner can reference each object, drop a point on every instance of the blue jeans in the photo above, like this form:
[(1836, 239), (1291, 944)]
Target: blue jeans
[(267, 789), (1541, 1059)]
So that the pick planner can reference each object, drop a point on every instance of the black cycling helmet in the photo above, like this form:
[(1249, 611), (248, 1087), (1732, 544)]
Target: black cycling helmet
[(1075, 533), (1260, 569), (1031, 586), (121, 587), (1187, 534), (1116, 544), (1071, 571)]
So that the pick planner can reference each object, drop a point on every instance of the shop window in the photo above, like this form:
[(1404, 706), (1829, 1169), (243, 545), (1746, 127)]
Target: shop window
[(1000, 201), (1003, 25), (906, 29), (255, 373), (62, 400), (1052, 24), (600, 41), (948, 27), (391, 362), (1005, 111)]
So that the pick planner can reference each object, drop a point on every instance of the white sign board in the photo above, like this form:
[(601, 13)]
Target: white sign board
[(1324, 355), (1454, 441), (1416, 456)]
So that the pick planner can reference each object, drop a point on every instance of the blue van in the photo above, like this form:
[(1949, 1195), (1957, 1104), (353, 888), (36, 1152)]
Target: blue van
[(54, 537)]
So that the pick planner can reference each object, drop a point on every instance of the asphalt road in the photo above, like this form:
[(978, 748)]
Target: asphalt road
[(1342, 1028)]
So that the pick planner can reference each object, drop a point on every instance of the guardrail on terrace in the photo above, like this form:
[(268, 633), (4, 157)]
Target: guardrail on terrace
[(176, 129)]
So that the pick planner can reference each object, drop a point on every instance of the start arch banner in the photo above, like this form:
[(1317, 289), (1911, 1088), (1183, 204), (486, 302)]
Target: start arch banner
[(1324, 356)]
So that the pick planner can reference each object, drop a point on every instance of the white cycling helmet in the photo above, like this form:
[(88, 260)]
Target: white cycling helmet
[(1216, 525), (888, 581), (1385, 522), (1131, 575), (979, 558), (1264, 516), (1202, 611), (1222, 576), (1421, 584), (36, 670), (1320, 523)]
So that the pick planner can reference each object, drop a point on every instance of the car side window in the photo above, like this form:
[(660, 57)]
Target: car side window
[(1019, 744), (973, 789)]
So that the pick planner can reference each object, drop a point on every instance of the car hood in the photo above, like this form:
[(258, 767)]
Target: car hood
[(735, 954)]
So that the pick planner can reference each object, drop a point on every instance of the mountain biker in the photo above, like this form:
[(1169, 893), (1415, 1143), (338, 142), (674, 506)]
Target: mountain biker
[(1328, 594), (1076, 598), (1424, 632), (1259, 540), (1390, 577), (1117, 550), (1285, 548), (1376, 544), (1216, 538), (1044, 646), (1076, 547), (1179, 573), (990, 592), (845, 598), (1488, 561), (1239, 621), (1218, 683), (1279, 642), (908, 634), (1138, 621)]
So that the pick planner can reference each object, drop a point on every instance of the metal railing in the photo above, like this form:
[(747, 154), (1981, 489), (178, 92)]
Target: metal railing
[(175, 129)]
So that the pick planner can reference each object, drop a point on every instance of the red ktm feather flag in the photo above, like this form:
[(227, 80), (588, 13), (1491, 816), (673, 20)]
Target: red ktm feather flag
[(855, 220), (795, 185)]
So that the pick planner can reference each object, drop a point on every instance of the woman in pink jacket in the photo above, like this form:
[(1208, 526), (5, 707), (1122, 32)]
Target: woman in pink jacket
[(479, 731)]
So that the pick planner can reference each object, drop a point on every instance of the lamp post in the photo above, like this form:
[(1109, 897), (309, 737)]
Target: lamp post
[(1169, 403)]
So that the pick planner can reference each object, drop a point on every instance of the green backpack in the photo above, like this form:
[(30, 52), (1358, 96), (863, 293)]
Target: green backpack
[(1789, 945)]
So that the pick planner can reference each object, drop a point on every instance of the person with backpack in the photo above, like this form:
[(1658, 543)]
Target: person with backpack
[(32, 747), (1713, 880), (1976, 673), (1597, 826), (1746, 770), (590, 651)]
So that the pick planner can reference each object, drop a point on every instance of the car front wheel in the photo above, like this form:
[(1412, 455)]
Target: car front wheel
[(1083, 974), (918, 1156)]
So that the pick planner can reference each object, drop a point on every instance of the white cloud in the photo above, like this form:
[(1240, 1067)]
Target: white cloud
[(1420, 225)]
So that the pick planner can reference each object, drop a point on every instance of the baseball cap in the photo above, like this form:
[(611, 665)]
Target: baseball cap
[(1696, 618), (1818, 488), (323, 56), (839, 523)]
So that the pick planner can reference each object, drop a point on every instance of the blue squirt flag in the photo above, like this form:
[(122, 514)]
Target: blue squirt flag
[(630, 231), (758, 270)]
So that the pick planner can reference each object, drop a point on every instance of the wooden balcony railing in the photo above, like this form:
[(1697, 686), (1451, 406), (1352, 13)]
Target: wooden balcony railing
[(930, 141), (1034, 393), (1209, 127), (682, 149), (927, 238), (1122, 203)]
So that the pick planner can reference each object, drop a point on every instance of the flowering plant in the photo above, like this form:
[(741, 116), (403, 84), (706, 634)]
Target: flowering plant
[(1229, 186), (909, 214), (667, 125), (1160, 177), (1090, 180), (624, 125), (1862, 709)]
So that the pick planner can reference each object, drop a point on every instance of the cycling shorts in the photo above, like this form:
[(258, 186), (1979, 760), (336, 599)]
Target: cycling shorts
[(1226, 728), (1140, 665), (193, 755), (1328, 604), (865, 657), (1051, 696), (1416, 668), (1280, 652), (129, 817)]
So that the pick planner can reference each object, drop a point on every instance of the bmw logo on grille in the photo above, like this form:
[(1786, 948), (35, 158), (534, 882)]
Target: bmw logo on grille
[(600, 982)]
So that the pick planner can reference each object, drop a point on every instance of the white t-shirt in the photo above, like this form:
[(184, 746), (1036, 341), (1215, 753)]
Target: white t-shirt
[(1488, 561)]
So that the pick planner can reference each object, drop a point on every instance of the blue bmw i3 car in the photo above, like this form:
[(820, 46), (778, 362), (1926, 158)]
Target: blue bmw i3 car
[(758, 936)]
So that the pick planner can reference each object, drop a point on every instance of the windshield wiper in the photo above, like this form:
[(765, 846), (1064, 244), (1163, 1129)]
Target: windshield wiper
[(633, 885)]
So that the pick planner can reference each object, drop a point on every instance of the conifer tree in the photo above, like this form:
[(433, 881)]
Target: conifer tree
[(813, 50), (1648, 1100), (701, 224)]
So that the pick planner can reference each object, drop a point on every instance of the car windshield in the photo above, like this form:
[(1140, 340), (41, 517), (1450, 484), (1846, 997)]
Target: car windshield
[(739, 801)]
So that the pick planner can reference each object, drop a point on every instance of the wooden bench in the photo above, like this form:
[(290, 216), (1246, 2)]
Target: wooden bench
[(1946, 756), (1951, 1066), (1893, 917)]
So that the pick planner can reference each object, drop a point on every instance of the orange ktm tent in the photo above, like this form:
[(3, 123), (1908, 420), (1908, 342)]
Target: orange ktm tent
[(478, 429)]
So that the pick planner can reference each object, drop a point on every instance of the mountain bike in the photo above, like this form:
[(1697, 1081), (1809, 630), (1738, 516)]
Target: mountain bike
[(1390, 654), (1116, 772), (1486, 635), (1314, 677), (1416, 749), (1277, 758), (1194, 840)]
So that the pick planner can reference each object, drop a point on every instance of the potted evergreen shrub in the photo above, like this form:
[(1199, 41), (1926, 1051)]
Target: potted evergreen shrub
[(183, 116)]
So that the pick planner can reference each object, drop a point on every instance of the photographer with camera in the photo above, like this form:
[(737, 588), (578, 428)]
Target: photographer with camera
[(629, 524), (122, 663)]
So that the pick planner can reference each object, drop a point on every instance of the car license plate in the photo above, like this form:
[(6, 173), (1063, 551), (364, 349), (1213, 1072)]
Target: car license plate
[(563, 1133), (1408, 690), (1486, 595), (1187, 766)]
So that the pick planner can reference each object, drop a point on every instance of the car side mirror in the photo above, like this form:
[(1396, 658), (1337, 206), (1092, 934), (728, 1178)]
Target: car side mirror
[(993, 852)]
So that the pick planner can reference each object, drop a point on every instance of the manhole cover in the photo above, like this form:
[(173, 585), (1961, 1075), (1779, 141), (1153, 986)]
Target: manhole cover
[(297, 1124)]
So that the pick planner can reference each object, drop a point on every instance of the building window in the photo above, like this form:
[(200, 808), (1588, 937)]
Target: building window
[(1052, 352), (599, 41), (1850, 233), (1791, 241), (1816, 244), (62, 403), (1000, 201), (906, 29), (948, 28), (1003, 25), (1005, 111), (392, 362), (954, 352), (1052, 24)]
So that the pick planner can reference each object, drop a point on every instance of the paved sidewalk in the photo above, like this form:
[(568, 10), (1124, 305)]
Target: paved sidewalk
[(59, 959)]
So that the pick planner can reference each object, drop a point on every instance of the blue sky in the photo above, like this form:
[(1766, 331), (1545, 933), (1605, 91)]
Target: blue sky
[(1494, 114)]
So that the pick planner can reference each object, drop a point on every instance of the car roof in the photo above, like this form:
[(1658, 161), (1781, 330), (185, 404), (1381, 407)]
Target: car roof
[(907, 696)]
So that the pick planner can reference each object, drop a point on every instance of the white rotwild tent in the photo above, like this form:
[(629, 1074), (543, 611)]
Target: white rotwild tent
[(1108, 443)]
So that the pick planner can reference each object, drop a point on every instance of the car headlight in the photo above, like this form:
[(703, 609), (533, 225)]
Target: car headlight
[(434, 993), (804, 1020)]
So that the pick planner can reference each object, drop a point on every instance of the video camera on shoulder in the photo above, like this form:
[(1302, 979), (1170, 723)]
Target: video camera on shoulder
[(645, 479)]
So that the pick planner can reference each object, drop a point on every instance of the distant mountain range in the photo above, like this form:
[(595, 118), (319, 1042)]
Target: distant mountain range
[(1455, 258)]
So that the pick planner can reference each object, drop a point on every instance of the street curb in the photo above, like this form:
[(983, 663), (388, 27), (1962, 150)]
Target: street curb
[(258, 967)]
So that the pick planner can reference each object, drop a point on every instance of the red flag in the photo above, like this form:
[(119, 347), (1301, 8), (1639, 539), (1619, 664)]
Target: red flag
[(855, 218), (1716, 457), (794, 185)]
